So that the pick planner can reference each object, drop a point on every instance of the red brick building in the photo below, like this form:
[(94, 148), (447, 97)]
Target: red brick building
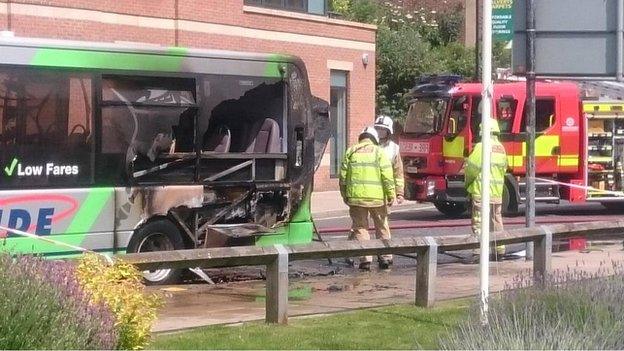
[(340, 55)]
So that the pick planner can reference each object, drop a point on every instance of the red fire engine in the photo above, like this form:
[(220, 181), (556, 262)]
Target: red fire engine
[(580, 143)]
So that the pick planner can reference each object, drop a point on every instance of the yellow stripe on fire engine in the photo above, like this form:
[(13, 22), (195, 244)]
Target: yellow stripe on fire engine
[(568, 161), (544, 145), (562, 161), (453, 148), (603, 107)]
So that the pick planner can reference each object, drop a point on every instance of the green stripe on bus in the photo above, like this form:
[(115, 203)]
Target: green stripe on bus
[(90, 210), (272, 69), (110, 60)]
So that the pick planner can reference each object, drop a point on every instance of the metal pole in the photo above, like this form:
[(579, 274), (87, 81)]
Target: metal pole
[(476, 74), (486, 143), (530, 123), (620, 39)]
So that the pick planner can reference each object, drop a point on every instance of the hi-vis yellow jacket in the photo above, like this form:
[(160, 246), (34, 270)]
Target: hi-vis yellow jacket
[(498, 167), (366, 176)]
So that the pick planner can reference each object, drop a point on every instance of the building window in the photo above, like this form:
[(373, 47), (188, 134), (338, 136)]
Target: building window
[(338, 114), (316, 7)]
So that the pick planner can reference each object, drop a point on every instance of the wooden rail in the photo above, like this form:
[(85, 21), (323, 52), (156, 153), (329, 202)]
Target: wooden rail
[(276, 257)]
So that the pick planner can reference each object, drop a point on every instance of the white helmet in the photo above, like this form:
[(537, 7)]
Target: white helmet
[(370, 131), (385, 122)]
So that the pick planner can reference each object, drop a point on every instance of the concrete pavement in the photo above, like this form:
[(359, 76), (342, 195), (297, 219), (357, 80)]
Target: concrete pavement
[(344, 288)]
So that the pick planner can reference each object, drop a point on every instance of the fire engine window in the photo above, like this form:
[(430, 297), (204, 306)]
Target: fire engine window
[(475, 119), (505, 112), (459, 114), (147, 127), (45, 128), (544, 115), (425, 116)]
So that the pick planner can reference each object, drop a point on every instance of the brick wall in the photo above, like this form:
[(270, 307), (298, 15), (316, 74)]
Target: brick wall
[(216, 24)]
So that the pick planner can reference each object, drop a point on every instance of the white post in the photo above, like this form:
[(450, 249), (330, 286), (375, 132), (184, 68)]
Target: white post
[(486, 79)]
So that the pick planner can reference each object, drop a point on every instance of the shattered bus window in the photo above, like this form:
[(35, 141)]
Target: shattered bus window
[(241, 105), (243, 115), (147, 124)]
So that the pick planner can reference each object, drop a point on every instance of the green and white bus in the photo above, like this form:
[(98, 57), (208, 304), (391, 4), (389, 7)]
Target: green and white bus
[(125, 148)]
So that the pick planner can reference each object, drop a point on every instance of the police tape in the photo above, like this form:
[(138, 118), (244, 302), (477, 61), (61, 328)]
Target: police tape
[(54, 242), (582, 187)]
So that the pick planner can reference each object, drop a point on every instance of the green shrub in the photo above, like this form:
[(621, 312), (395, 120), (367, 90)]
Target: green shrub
[(43, 307), (574, 310), (120, 288)]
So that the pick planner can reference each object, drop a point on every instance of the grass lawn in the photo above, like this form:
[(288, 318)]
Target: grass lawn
[(395, 327)]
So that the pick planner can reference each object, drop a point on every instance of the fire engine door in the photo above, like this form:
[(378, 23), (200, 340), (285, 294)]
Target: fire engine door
[(455, 147), (547, 137), (506, 113)]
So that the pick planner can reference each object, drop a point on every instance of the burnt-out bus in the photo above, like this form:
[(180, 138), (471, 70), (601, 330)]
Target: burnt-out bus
[(120, 148)]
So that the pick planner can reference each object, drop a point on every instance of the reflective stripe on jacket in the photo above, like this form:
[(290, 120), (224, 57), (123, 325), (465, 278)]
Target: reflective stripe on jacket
[(498, 167), (366, 176), (391, 149)]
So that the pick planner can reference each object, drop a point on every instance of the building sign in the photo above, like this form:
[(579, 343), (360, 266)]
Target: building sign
[(502, 20)]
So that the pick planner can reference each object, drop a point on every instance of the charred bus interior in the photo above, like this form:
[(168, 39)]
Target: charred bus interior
[(231, 141)]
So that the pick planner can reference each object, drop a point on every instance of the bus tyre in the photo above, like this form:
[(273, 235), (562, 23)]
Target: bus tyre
[(451, 208), (157, 235)]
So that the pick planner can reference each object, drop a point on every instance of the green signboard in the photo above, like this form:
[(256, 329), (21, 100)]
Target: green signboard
[(502, 20)]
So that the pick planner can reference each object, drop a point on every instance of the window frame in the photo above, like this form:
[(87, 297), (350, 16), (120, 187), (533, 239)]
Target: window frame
[(335, 173), (284, 6)]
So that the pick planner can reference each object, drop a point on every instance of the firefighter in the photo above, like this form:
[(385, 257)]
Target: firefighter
[(367, 187), (498, 168), (385, 129)]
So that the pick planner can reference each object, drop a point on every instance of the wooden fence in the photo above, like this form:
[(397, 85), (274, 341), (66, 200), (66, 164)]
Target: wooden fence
[(276, 257)]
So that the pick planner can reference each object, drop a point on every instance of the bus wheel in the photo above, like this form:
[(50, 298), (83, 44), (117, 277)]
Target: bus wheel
[(157, 235), (616, 206), (450, 208)]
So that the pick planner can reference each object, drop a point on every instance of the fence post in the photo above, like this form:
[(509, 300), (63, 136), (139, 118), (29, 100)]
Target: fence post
[(426, 270), (542, 256), (277, 288)]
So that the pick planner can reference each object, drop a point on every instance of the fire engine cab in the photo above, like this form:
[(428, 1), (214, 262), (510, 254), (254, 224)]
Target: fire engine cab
[(579, 143)]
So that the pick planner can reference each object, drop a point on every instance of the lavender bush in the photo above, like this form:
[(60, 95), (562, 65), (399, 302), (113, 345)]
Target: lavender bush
[(574, 310), (43, 307)]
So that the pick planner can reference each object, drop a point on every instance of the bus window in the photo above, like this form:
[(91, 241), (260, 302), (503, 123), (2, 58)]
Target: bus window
[(147, 127), (45, 128), (243, 105), (243, 117)]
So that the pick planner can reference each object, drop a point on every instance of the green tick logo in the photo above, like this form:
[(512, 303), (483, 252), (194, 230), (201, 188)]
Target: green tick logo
[(11, 168)]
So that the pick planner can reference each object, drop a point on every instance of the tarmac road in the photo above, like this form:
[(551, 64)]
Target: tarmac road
[(416, 220), (425, 220)]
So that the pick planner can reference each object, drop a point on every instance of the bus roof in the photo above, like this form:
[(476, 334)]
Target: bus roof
[(139, 57)]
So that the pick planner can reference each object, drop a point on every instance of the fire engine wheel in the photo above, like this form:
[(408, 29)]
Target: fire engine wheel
[(510, 205), (450, 208), (157, 235)]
